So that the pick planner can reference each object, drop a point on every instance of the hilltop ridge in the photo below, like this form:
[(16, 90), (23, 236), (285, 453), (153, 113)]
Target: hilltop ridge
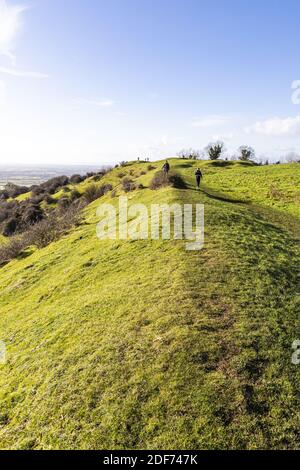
[(141, 344)]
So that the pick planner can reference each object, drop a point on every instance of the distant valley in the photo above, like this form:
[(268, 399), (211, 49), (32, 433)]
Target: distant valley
[(36, 174)]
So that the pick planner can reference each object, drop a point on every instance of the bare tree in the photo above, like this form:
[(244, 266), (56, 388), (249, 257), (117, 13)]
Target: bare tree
[(215, 150), (246, 153), (190, 154), (292, 157)]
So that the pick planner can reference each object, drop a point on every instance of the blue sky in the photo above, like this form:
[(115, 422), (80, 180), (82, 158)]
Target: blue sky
[(97, 81)]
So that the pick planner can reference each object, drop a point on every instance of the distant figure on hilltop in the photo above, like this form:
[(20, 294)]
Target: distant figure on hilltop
[(198, 175), (166, 167)]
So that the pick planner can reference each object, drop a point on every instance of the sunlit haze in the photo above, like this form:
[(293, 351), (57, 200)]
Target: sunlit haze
[(99, 81)]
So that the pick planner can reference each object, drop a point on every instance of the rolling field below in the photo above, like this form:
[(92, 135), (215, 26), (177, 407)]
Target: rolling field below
[(144, 345)]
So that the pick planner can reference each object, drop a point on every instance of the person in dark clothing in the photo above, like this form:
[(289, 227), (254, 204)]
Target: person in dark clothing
[(198, 175), (166, 167)]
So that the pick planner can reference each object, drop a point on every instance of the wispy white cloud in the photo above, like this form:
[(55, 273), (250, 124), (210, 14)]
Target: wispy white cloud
[(223, 137), (10, 23), (11, 17), (164, 140), (105, 103), (21, 73), (276, 126), (210, 121)]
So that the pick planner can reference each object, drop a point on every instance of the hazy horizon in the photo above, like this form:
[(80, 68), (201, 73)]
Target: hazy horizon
[(28, 175)]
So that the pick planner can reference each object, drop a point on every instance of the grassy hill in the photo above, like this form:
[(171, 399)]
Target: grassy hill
[(141, 344)]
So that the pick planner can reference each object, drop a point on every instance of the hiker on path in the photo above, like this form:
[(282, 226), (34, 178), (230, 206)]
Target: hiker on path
[(166, 167), (198, 175)]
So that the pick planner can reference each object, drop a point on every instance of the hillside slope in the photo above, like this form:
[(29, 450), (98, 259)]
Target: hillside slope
[(141, 344)]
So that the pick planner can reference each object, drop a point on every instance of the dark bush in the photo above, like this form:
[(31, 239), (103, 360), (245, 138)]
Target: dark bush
[(79, 204), (63, 203), (54, 227), (98, 177), (76, 179), (49, 200), (4, 195), (128, 185), (3, 215), (105, 188), (12, 249), (51, 189), (52, 185), (35, 199), (45, 232), (92, 193), (13, 190), (8, 210), (161, 179), (75, 195), (31, 215), (37, 226), (10, 227), (37, 190)]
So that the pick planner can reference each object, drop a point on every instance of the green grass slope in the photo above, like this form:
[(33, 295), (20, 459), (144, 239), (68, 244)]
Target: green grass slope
[(141, 344)]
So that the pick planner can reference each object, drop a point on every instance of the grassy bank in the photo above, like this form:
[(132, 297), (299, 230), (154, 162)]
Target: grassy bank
[(145, 345)]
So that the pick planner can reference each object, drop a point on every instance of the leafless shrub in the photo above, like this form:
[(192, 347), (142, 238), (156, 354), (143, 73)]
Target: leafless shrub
[(54, 227), (75, 195), (43, 233), (11, 249), (11, 226), (162, 179), (128, 185), (190, 154), (91, 193), (76, 179), (159, 180), (97, 177), (49, 199), (94, 192), (105, 188)]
